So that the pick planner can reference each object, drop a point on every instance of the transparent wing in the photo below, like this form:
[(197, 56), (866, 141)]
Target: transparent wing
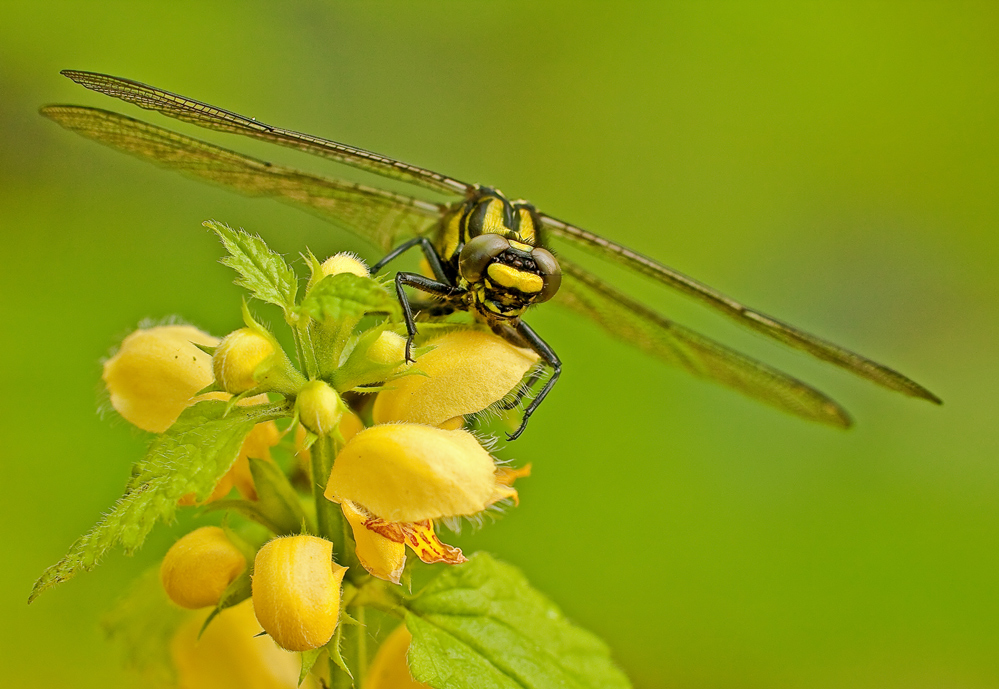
[(383, 217), (771, 327), (210, 117), (703, 357)]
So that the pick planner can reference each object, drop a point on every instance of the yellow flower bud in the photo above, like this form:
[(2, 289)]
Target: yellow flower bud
[(237, 358), (198, 568), (390, 669), (319, 407), (155, 373), (466, 372), (296, 591), (379, 555), (345, 262), (408, 473), (389, 348), (230, 655)]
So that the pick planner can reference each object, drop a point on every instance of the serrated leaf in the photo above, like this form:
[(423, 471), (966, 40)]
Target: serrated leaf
[(190, 457), (142, 623), (309, 659), (480, 625), (347, 296), (261, 271)]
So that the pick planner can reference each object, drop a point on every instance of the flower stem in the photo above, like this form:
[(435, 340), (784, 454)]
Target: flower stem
[(327, 513)]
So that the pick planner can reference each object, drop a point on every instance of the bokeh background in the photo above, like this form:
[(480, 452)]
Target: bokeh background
[(832, 163)]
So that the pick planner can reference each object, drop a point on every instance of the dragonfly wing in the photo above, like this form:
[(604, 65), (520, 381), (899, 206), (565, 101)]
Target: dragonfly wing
[(383, 217), (782, 332), (210, 117), (639, 326)]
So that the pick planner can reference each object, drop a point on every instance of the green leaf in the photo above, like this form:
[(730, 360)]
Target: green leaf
[(481, 625), (261, 271), (238, 590), (347, 296), (309, 659), (142, 623), (190, 457), (276, 497)]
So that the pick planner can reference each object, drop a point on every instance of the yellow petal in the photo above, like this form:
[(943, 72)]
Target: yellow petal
[(230, 655), (345, 262), (258, 444), (382, 557), (155, 373), (420, 537), (505, 476), (468, 371), (221, 490), (350, 425), (408, 473), (198, 567), (296, 591), (389, 668)]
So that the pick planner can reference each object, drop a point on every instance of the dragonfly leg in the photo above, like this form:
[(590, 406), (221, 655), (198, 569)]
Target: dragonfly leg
[(535, 342), (442, 290), (528, 385), (428, 251)]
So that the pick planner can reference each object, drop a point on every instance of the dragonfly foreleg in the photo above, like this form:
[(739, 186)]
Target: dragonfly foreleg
[(441, 290)]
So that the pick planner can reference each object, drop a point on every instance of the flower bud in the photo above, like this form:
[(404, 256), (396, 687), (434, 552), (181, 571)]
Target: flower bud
[(231, 655), (155, 373), (389, 348), (296, 591), (466, 372), (389, 668), (237, 357), (408, 473), (345, 262), (319, 407), (198, 568)]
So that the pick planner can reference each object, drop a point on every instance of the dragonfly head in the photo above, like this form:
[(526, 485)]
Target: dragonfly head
[(505, 276)]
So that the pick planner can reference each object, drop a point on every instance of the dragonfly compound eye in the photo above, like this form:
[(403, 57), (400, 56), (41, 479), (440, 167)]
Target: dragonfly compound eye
[(551, 273), (478, 253)]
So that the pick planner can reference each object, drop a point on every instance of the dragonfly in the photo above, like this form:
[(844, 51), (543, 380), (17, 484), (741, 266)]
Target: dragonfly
[(490, 256)]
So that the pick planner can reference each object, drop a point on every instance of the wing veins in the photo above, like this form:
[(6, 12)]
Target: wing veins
[(211, 117), (756, 320)]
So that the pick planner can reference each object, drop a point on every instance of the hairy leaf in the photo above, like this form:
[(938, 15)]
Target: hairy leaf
[(347, 296), (261, 271), (480, 625), (190, 457)]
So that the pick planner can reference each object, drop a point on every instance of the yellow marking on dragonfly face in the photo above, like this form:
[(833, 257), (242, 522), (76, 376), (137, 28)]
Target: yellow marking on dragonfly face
[(504, 275), (520, 245), (526, 225), (493, 219)]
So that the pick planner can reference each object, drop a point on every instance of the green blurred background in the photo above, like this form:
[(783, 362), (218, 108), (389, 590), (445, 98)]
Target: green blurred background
[(835, 164)]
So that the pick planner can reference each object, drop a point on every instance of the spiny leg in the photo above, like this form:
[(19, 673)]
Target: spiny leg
[(548, 355), (441, 290), (429, 252)]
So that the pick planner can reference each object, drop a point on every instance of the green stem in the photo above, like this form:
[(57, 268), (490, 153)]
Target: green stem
[(361, 642), (327, 513)]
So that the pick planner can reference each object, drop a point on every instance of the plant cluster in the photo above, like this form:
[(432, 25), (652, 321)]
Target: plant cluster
[(330, 467)]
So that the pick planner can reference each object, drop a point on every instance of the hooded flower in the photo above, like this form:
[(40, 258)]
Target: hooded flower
[(466, 372), (154, 376), (393, 481)]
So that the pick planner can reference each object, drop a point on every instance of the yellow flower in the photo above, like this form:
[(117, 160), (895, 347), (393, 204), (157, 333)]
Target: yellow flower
[(392, 481), (237, 358), (296, 591), (230, 655), (345, 262), (468, 371), (155, 373), (390, 669), (198, 567)]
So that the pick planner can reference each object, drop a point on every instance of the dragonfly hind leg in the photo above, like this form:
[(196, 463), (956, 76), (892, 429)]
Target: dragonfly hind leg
[(441, 290), (547, 354)]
